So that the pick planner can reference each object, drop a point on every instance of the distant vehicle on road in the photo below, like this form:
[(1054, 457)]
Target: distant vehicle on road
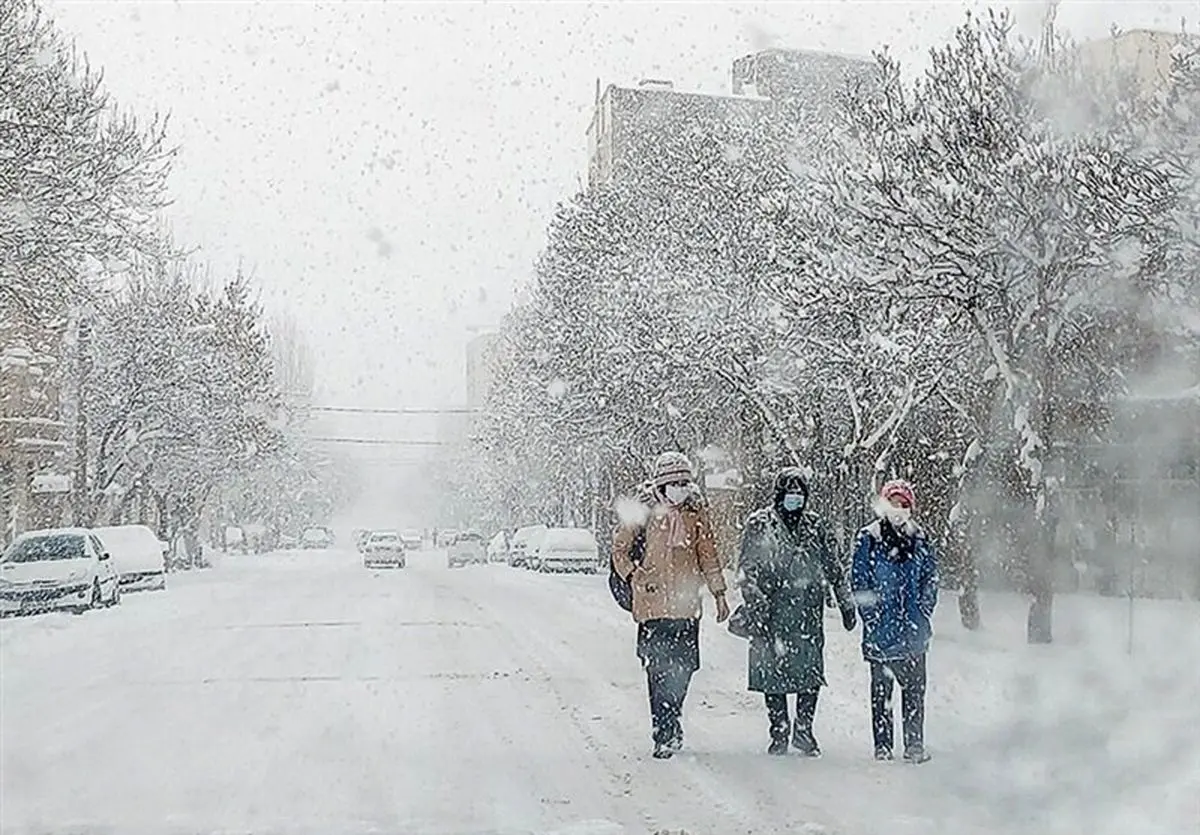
[(316, 537), (497, 549), (384, 549), (446, 538), (521, 542), (467, 549), (413, 540), (137, 554), (566, 549), (63, 568)]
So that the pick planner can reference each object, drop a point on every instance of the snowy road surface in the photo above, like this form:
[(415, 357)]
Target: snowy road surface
[(298, 692)]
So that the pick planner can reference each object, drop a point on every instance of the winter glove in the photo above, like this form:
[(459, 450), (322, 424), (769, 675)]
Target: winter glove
[(848, 619)]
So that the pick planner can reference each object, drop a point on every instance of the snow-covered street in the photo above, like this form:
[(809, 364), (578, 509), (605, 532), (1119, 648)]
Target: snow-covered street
[(298, 692)]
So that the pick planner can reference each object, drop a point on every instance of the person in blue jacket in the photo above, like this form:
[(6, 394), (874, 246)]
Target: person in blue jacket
[(895, 584)]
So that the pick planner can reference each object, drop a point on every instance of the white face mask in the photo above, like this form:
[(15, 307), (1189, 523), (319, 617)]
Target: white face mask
[(675, 493)]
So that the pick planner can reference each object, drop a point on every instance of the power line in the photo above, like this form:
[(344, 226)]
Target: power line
[(359, 410), (377, 441)]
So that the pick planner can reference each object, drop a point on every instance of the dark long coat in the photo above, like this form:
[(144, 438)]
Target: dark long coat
[(783, 574)]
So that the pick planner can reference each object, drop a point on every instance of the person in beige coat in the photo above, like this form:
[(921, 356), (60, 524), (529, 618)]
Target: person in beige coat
[(669, 556)]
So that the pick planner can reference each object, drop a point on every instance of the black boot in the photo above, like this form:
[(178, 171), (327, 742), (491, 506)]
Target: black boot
[(781, 725), (916, 756), (803, 739)]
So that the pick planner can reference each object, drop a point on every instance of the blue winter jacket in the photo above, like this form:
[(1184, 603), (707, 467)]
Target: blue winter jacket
[(895, 597)]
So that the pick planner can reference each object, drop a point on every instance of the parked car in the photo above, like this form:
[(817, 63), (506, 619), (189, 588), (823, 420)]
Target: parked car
[(520, 543), (446, 538), (316, 537), (64, 568), (467, 549), (413, 540), (384, 549), (566, 549), (137, 554), (497, 550)]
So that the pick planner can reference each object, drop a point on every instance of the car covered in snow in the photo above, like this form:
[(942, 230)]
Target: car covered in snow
[(137, 554), (467, 549), (566, 549), (497, 549), (522, 542), (413, 540), (64, 568), (316, 536), (384, 549)]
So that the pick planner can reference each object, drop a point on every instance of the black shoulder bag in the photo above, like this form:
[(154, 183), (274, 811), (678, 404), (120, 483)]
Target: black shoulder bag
[(622, 587)]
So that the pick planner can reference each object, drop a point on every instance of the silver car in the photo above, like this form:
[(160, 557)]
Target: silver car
[(384, 549), (467, 549)]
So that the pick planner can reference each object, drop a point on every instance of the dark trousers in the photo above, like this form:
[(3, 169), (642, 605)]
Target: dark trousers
[(777, 712), (910, 674), (668, 685), (670, 653)]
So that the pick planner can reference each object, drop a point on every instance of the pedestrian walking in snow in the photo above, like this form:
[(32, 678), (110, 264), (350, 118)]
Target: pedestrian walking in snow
[(786, 562), (894, 576), (677, 558)]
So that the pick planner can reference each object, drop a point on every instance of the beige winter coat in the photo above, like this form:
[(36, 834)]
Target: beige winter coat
[(669, 580)]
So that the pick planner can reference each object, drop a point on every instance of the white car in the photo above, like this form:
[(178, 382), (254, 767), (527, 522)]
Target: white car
[(137, 554), (566, 549), (413, 540), (522, 543), (65, 568), (467, 549), (384, 549), (316, 537), (497, 549)]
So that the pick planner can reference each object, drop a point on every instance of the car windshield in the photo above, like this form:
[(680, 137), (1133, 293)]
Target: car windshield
[(385, 537), (46, 548)]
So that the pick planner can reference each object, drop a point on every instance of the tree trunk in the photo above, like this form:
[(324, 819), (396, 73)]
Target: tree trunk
[(966, 574), (1040, 626)]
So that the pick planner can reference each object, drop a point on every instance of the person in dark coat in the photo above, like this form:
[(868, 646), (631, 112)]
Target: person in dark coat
[(786, 562), (894, 575), (678, 560)]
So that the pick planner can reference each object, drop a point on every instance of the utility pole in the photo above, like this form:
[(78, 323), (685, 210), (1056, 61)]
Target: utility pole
[(1047, 40), (83, 369)]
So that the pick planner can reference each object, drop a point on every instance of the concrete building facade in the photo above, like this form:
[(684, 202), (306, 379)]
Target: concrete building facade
[(629, 124), (33, 446)]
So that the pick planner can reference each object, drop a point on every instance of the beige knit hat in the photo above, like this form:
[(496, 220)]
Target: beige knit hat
[(672, 466)]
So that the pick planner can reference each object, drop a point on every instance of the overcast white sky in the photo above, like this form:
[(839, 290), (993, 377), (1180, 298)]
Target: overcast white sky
[(388, 169)]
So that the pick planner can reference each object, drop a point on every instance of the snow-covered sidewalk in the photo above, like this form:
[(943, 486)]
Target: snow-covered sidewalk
[(297, 692)]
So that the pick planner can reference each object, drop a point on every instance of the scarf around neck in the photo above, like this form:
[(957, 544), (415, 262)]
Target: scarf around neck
[(899, 543)]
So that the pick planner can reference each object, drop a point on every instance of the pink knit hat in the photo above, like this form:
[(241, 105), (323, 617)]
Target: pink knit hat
[(900, 490)]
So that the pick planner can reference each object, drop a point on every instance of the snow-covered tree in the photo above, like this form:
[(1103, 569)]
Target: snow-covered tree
[(976, 198), (80, 183), (179, 395)]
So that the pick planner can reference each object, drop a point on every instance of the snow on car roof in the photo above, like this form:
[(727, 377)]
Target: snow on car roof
[(55, 532)]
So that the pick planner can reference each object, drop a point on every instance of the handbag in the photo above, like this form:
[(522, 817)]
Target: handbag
[(747, 622), (620, 587)]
